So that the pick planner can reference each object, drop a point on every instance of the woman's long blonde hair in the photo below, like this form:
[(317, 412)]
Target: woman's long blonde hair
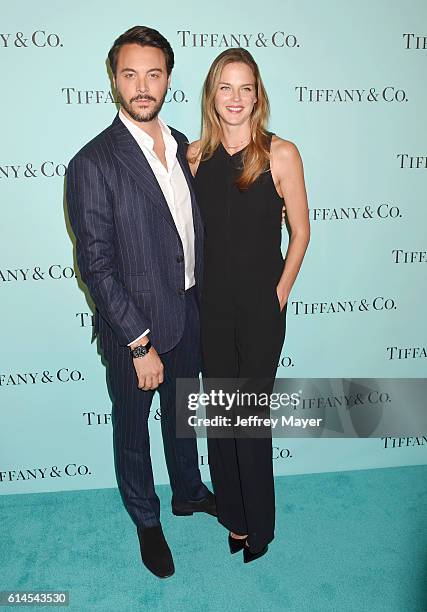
[(256, 156)]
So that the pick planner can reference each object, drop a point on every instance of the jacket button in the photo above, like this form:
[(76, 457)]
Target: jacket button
[(180, 258), (181, 291)]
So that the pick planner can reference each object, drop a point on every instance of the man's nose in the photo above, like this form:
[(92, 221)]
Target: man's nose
[(142, 85)]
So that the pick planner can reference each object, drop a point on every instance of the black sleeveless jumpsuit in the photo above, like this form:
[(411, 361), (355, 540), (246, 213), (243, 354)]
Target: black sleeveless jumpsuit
[(243, 328)]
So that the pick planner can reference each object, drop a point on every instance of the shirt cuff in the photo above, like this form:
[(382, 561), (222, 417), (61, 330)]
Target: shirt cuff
[(139, 337)]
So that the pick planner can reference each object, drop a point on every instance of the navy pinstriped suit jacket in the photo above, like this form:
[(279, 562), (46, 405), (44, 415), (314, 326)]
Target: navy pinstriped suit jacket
[(129, 252)]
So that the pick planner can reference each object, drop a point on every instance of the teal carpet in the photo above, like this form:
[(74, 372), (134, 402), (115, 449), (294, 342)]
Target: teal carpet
[(346, 541)]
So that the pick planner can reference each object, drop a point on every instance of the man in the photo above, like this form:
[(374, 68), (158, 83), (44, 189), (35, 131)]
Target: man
[(139, 250)]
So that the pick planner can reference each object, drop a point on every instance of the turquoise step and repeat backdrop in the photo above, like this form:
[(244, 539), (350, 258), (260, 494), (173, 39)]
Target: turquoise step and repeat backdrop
[(347, 84)]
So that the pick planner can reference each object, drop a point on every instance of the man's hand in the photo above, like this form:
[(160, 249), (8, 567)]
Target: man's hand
[(149, 370)]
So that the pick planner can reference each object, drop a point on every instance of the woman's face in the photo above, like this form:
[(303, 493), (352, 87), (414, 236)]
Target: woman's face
[(235, 97)]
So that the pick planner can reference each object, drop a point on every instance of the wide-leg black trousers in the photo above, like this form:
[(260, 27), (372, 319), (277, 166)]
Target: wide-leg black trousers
[(243, 338)]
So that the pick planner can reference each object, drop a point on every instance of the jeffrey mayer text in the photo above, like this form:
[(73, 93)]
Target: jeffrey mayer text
[(289, 421), (252, 421)]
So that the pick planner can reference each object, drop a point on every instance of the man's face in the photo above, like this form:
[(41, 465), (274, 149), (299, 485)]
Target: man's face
[(141, 81)]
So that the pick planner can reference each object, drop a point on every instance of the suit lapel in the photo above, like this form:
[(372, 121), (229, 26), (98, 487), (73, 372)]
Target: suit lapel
[(130, 155)]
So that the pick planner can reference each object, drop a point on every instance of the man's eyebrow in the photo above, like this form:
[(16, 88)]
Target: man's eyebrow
[(133, 70)]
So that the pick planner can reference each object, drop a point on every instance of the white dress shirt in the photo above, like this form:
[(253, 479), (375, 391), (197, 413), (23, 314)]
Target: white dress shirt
[(174, 186)]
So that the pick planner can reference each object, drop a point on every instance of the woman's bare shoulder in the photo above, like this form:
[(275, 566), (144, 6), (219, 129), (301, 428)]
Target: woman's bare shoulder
[(284, 150), (193, 156), (193, 150)]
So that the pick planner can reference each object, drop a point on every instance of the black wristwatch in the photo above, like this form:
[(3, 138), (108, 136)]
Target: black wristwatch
[(140, 351)]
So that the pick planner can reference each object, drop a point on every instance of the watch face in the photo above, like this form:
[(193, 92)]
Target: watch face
[(139, 351)]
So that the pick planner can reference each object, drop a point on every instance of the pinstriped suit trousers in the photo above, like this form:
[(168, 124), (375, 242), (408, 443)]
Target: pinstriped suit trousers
[(131, 408)]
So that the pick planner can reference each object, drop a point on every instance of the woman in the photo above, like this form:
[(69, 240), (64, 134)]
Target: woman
[(243, 175)]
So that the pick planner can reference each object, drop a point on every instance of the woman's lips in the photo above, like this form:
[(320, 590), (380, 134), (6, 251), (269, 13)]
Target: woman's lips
[(234, 109)]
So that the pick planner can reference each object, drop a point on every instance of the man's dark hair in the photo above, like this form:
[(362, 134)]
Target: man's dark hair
[(146, 37)]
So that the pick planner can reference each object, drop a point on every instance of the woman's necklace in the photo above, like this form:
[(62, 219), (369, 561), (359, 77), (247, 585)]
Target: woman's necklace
[(241, 144)]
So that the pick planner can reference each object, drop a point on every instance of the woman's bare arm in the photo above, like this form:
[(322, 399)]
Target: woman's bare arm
[(288, 176)]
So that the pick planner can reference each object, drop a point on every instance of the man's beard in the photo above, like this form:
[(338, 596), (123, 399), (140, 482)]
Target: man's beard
[(148, 115)]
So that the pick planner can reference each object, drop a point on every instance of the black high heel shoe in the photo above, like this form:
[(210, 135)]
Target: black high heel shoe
[(249, 556), (236, 544)]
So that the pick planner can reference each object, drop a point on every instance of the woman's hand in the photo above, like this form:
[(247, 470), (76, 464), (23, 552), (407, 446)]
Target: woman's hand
[(282, 296)]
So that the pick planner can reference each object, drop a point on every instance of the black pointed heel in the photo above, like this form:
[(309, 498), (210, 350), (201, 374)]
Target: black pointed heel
[(236, 544), (249, 556), (181, 512)]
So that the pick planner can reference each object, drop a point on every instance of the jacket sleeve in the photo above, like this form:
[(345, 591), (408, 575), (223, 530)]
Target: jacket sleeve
[(89, 201)]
